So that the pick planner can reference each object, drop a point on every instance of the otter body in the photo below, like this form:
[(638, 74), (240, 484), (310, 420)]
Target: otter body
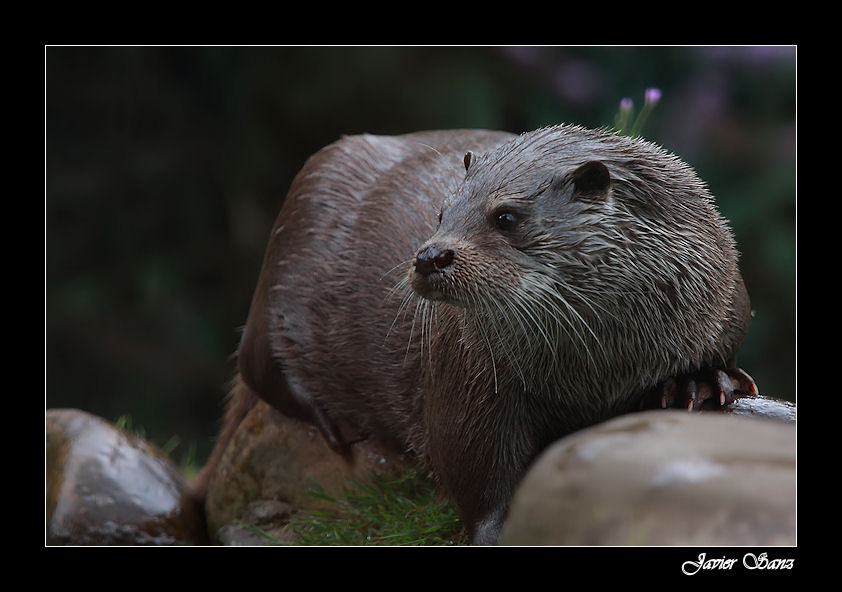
[(474, 295)]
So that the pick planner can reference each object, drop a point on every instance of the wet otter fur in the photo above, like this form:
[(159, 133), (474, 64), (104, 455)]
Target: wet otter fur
[(475, 295)]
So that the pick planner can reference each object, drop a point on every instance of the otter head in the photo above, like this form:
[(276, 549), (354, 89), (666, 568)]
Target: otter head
[(510, 221)]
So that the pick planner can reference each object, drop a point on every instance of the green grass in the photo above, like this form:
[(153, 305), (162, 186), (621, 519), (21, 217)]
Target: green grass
[(403, 511), (188, 463)]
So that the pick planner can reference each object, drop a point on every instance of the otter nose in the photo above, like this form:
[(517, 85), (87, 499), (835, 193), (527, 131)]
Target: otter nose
[(432, 259)]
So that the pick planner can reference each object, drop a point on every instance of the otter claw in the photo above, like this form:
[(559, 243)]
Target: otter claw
[(691, 394), (745, 383), (692, 391), (726, 389), (668, 393)]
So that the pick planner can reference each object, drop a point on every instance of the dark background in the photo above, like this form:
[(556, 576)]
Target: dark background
[(166, 167)]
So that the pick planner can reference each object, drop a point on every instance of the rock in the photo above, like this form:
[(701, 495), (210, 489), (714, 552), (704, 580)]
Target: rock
[(274, 459), (263, 521), (761, 406), (662, 478), (107, 487)]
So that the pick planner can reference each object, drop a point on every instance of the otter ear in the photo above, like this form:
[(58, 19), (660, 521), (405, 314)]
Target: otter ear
[(469, 159), (591, 181)]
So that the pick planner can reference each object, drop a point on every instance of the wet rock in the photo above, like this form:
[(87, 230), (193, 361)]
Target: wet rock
[(107, 487), (662, 478), (269, 469), (760, 406)]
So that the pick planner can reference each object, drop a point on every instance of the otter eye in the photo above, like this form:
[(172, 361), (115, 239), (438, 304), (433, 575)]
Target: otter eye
[(505, 221)]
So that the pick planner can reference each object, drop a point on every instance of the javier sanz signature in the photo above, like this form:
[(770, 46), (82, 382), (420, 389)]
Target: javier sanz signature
[(749, 561)]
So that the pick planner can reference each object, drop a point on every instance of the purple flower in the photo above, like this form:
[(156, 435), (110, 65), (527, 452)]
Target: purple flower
[(626, 104), (653, 95)]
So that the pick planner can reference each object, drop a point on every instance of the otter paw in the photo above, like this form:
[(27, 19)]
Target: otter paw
[(708, 388)]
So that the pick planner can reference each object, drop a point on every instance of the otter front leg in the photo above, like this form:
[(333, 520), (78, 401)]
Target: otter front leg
[(489, 528), (705, 388)]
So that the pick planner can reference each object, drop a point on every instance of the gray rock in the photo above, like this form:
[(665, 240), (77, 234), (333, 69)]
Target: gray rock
[(107, 487), (760, 406), (662, 478)]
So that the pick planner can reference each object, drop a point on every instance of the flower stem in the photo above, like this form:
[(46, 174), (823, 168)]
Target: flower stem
[(652, 96)]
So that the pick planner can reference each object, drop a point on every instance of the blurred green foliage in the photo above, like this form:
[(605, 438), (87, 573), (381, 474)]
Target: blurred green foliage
[(166, 167)]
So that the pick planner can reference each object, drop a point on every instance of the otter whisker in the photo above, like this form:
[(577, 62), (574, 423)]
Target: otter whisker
[(536, 323), (429, 317), (586, 301), (556, 295), (402, 306), (514, 307), (550, 320), (550, 300), (482, 331), (405, 262), (420, 304), (509, 347)]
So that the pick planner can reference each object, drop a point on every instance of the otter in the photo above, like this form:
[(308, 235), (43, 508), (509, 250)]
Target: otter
[(473, 295)]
